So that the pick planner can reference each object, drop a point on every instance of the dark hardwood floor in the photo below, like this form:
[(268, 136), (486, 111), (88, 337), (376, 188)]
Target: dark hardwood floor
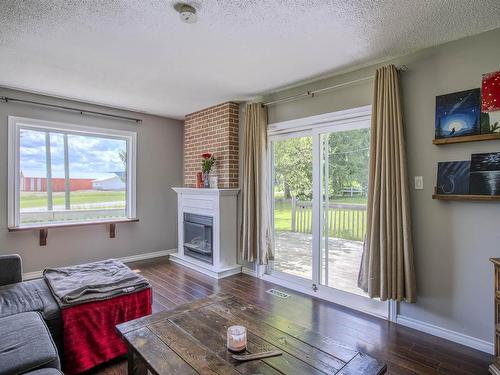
[(405, 350)]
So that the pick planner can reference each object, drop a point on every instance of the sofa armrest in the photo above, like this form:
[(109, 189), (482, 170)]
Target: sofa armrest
[(11, 269)]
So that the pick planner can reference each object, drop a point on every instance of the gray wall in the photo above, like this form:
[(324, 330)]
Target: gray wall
[(453, 240), (159, 167)]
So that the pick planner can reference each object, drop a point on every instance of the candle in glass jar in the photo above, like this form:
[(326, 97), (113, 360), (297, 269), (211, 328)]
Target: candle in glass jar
[(236, 338)]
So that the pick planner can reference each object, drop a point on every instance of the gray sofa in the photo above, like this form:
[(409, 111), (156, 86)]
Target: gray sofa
[(30, 323)]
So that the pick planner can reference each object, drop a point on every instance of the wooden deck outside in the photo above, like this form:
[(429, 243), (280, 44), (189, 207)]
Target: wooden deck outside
[(404, 350), (293, 255)]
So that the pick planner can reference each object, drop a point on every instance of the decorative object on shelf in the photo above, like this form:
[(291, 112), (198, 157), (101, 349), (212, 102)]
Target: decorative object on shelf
[(458, 114), (236, 339), (490, 122), (490, 98), (213, 182), (490, 103), (485, 174), (199, 180), (206, 166), (453, 177)]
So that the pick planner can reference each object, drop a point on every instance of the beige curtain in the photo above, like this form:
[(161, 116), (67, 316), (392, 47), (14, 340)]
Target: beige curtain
[(387, 269), (255, 234)]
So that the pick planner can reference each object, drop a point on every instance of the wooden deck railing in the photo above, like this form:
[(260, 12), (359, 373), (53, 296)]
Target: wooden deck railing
[(340, 220)]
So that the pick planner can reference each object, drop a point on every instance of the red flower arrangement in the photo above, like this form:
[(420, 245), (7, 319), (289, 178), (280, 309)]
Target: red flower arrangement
[(208, 162)]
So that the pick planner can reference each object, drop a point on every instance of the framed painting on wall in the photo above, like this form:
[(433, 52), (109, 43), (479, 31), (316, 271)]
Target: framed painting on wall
[(458, 114), (453, 177), (490, 103), (485, 174), (490, 87)]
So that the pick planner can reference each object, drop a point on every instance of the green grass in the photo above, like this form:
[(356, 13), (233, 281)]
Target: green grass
[(282, 216), (349, 224), (39, 199)]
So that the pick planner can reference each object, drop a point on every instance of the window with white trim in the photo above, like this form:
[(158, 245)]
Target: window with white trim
[(69, 174)]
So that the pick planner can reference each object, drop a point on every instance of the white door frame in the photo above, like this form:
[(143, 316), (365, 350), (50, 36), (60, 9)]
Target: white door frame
[(314, 126)]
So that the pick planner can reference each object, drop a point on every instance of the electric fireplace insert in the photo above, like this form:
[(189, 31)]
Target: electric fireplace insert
[(198, 237)]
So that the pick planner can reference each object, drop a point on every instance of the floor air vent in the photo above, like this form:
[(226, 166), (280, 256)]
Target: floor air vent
[(278, 293)]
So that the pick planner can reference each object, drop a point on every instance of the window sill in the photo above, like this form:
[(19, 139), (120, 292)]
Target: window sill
[(43, 228)]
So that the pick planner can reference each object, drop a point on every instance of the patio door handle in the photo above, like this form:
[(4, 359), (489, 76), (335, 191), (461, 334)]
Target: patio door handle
[(314, 287)]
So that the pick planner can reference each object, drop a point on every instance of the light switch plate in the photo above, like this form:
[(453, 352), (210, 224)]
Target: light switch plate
[(419, 182)]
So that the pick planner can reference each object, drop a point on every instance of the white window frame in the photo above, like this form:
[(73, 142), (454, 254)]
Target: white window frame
[(15, 124)]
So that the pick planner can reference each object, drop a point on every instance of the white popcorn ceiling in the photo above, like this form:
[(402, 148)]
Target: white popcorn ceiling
[(137, 54)]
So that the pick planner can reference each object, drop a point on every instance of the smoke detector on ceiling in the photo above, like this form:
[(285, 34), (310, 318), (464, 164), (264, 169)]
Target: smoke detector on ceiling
[(186, 12)]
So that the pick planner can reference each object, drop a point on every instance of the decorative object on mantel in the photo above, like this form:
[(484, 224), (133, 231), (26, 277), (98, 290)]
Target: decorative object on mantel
[(495, 366), (458, 114), (213, 182), (453, 177), (199, 180), (206, 166)]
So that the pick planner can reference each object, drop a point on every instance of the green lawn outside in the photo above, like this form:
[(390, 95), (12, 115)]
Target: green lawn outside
[(39, 199), (349, 224)]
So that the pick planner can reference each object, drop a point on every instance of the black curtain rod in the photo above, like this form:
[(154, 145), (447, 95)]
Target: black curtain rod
[(71, 109)]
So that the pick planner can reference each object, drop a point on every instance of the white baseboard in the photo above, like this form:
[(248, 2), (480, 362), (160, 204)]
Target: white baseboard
[(248, 271), (155, 254), (202, 268), (129, 259), (459, 338)]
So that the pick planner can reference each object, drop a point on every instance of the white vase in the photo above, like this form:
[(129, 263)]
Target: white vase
[(213, 181)]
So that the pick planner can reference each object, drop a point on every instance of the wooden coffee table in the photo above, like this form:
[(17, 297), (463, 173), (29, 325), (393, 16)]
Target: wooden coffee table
[(192, 340)]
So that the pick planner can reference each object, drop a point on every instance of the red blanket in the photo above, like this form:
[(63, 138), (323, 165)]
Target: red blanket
[(89, 329)]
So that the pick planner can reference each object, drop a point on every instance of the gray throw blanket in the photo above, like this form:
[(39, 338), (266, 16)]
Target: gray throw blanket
[(92, 281)]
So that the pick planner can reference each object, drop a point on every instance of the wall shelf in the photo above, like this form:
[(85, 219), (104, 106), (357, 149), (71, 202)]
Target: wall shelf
[(44, 229), (468, 138), (456, 197)]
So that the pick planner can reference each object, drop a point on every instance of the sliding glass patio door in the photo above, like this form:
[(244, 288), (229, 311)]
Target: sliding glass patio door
[(292, 207), (319, 175), (344, 181)]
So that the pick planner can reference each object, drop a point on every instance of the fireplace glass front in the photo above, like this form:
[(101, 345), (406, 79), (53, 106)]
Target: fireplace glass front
[(198, 234)]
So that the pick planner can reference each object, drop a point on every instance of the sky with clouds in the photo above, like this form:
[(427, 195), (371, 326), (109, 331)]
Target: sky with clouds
[(87, 154)]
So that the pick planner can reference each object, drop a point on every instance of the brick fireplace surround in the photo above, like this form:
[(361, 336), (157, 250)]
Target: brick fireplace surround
[(214, 130)]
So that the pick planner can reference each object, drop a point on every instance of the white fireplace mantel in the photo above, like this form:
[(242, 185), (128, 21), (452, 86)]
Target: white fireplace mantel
[(205, 191), (221, 205)]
